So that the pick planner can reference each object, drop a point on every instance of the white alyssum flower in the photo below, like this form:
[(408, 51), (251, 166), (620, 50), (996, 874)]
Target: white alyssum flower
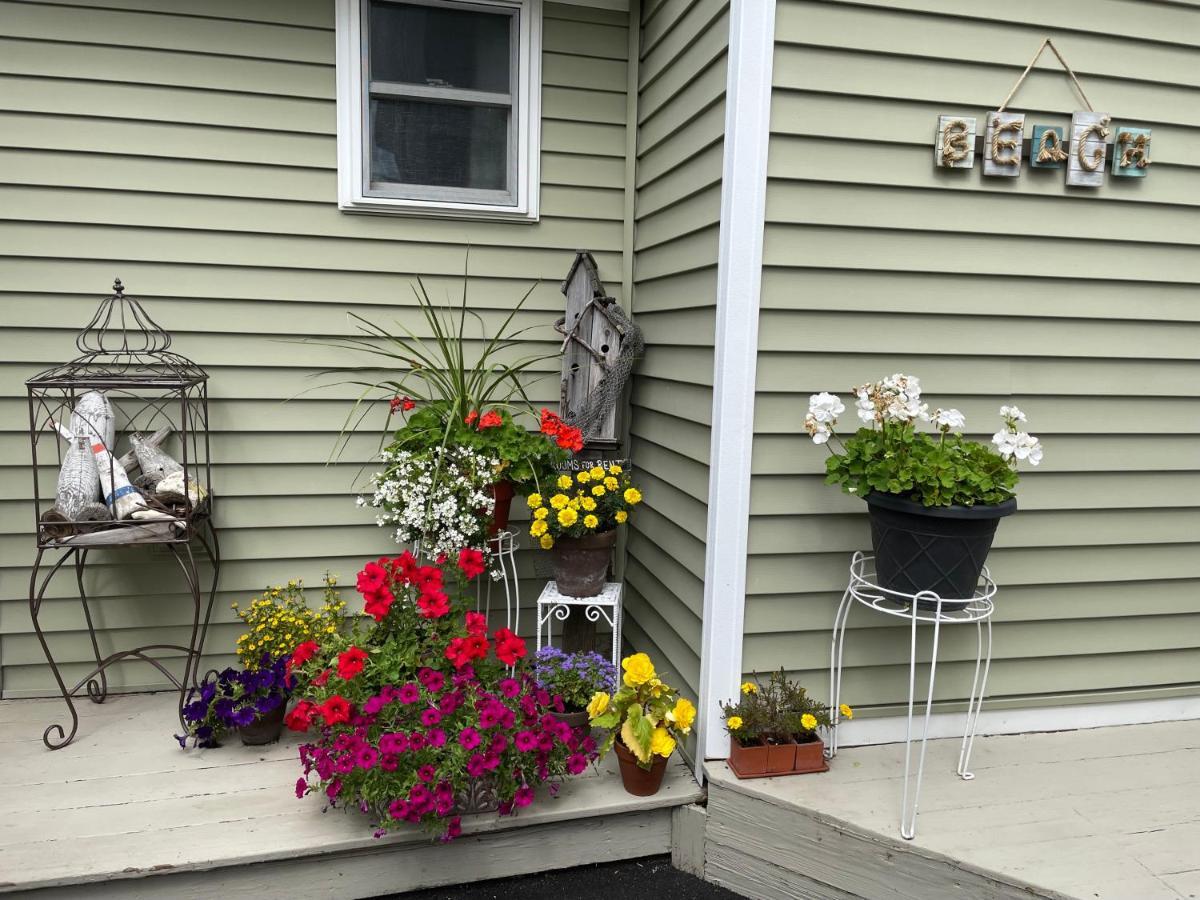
[(948, 419)]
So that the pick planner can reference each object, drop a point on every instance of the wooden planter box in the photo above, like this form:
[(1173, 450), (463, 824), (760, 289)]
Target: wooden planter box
[(776, 759)]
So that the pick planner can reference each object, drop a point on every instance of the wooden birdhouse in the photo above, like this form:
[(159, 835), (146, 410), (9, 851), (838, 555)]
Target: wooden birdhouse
[(600, 346)]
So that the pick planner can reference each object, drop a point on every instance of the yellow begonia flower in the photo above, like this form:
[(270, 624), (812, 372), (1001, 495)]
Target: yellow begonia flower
[(749, 687), (596, 472), (564, 481), (590, 521), (533, 501), (638, 669), (538, 528), (558, 501), (546, 541), (733, 723), (621, 516), (614, 470), (611, 483), (662, 743), (588, 503), (846, 711), (567, 517), (683, 715), (541, 512), (598, 704), (599, 491), (808, 721)]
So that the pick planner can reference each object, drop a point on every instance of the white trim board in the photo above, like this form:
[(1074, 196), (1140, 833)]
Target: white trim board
[(735, 361), (890, 729)]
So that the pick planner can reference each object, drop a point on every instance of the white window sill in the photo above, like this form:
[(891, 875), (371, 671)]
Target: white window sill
[(437, 210)]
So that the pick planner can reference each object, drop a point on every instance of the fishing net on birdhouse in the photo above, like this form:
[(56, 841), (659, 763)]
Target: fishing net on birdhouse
[(607, 393)]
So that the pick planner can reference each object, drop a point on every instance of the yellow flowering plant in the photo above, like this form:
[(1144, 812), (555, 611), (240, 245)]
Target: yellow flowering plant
[(778, 711), (590, 501), (647, 715), (279, 619)]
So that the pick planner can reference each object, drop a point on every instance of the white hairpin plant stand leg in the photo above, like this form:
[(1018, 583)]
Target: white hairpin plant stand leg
[(606, 605), (502, 559), (925, 606)]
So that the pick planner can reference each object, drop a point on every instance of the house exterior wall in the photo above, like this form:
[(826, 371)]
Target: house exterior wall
[(189, 148), (681, 117), (1077, 305)]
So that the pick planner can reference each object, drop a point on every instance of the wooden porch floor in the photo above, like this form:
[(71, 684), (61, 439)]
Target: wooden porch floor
[(123, 812), (1109, 813)]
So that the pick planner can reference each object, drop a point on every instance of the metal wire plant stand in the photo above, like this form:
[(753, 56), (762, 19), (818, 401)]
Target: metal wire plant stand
[(156, 399), (927, 607)]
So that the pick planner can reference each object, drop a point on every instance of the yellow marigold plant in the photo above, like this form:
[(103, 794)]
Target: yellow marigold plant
[(777, 712), (279, 619), (648, 716), (591, 501)]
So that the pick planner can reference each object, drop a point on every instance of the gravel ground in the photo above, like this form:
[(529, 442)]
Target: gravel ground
[(649, 877)]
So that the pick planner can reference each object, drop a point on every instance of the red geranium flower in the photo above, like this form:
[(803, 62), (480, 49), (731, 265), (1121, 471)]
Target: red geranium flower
[(404, 403), (471, 562), (335, 710), (471, 417), (550, 422), (351, 663), (490, 419)]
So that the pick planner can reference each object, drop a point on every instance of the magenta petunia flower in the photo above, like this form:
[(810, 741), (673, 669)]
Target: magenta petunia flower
[(430, 717), (410, 693), (436, 737), (524, 796), (469, 738)]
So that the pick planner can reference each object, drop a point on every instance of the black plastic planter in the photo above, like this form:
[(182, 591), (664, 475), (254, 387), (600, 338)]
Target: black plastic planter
[(932, 548)]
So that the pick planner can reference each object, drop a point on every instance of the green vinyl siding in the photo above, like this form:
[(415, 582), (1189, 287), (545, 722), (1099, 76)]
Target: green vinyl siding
[(1077, 305), (681, 121), (190, 149)]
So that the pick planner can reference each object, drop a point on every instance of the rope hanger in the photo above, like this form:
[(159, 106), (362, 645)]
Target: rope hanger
[(1047, 43)]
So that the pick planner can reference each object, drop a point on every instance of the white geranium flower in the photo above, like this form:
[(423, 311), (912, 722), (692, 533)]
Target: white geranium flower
[(825, 407), (865, 406), (947, 419), (1012, 413), (1027, 447), (1006, 443), (819, 431)]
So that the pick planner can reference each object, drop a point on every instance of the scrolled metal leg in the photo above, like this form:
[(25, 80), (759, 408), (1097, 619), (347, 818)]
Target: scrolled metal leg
[(97, 690), (36, 593), (187, 562), (975, 705), (213, 550)]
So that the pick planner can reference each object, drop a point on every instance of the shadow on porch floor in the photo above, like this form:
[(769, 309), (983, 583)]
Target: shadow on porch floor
[(1109, 813), (125, 812)]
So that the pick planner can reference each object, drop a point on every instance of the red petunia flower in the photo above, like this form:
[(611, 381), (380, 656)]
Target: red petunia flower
[(476, 623), (300, 718), (320, 680), (509, 647), (490, 419), (302, 654), (434, 604), (471, 562), (377, 603), (373, 577), (335, 710), (351, 663)]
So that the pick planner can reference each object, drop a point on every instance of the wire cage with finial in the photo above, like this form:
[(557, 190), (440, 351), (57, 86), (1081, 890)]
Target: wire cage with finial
[(119, 436)]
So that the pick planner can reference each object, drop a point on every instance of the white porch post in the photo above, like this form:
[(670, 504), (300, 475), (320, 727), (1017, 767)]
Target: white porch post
[(739, 279)]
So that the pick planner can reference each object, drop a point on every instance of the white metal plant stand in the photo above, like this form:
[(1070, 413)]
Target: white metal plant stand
[(502, 550), (925, 606), (605, 605)]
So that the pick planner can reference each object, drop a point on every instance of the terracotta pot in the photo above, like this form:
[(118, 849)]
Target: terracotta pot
[(581, 564), (575, 718), (810, 757), (503, 492), (776, 759), (265, 729), (638, 781)]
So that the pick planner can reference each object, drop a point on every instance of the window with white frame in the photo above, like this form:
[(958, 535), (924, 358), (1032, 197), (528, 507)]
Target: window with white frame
[(438, 107)]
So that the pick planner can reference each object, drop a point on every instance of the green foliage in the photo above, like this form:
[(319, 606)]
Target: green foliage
[(933, 470), (775, 712)]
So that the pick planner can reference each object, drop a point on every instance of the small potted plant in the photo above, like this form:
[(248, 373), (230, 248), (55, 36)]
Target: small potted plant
[(645, 719), (579, 522), (934, 499), (573, 679), (773, 729)]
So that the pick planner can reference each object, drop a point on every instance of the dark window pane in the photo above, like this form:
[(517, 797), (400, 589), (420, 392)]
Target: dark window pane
[(433, 45), (442, 144)]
